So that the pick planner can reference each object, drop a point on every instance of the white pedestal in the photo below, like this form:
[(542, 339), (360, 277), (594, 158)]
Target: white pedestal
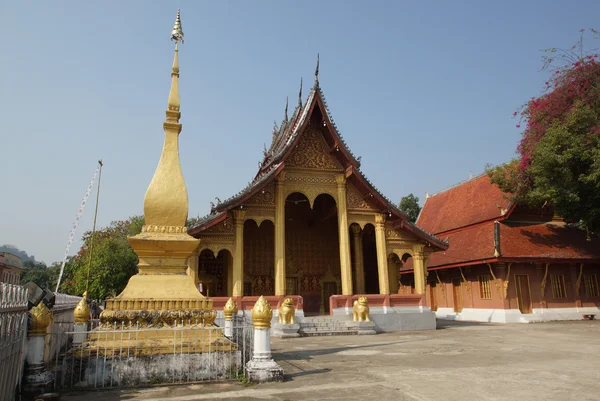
[(364, 328), (262, 367), (285, 330), (80, 335), (37, 380), (228, 332)]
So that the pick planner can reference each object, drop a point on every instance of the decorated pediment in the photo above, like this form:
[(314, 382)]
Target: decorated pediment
[(312, 152), (355, 200), (224, 227), (265, 197)]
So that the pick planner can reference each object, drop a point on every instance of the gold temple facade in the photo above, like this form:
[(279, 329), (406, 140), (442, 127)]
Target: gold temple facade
[(309, 224)]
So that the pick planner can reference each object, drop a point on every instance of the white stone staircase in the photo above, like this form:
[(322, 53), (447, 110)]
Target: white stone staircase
[(325, 326)]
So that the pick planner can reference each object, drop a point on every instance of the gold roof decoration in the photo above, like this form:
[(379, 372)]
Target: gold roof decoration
[(262, 314), (177, 33), (81, 314), (40, 319), (230, 309)]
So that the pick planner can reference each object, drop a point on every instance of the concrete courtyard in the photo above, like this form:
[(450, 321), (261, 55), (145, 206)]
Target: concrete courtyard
[(457, 362)]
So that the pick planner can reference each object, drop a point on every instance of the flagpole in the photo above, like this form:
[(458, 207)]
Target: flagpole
[(87, 281)]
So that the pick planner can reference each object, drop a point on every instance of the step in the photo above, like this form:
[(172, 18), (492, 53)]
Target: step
[(327, 333)]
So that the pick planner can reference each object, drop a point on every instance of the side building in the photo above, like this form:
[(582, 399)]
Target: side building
[(11, 267), (506, 262), (309, 224)]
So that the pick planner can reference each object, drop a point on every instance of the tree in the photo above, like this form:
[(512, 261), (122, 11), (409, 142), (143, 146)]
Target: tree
[(39, 273), (409, 204), (113, 261), (558, 159)]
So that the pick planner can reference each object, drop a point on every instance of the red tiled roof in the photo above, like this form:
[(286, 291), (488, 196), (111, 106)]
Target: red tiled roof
[(474, 201), (550, 240)]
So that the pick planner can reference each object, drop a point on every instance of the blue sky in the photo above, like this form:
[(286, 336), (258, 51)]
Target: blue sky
[(423, 91)]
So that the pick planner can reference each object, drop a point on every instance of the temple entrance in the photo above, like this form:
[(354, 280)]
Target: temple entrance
[(523, 293), (312, 249), (214, 273), (370, 260), (259, 258)]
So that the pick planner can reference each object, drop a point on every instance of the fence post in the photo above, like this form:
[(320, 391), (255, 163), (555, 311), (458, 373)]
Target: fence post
[(81, 317), (229, 311), (37, 380), (262, 367)]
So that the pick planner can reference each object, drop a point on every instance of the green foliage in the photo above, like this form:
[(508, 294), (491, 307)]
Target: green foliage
[(39, 273), (113, 261), (410, 205)]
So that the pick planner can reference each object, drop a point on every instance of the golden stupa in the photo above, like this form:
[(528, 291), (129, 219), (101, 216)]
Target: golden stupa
[(161, 296)]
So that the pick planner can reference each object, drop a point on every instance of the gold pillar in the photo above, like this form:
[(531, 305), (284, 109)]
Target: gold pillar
[(382, 268), (344, 236), (238, 259), (280, 236), (419, 269), (359, 262), (192, 263), (393, 275)]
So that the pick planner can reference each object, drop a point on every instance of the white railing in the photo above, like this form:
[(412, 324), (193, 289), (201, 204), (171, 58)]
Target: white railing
[(120, 356), (13, 331)]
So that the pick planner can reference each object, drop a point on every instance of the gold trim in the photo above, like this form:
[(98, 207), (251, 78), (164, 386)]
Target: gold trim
[(507, 281), (543, 284), (496, 283)]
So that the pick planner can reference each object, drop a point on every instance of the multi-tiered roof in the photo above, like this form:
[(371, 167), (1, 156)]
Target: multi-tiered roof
[(284, 140)]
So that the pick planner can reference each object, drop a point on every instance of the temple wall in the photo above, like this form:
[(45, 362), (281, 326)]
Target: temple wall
[(259, 256)]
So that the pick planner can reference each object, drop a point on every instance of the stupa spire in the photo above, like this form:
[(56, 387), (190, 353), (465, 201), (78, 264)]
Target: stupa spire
[(166, 200)]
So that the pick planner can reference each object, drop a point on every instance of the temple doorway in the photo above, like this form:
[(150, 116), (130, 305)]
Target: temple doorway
[(523, 293), (312, 249), (259, 258), (370, 260), (214, 273)]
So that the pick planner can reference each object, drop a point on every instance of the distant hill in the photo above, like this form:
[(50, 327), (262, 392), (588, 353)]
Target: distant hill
[(16, 251)]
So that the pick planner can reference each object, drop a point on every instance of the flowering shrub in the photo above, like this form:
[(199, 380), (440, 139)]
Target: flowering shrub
[(559, 154)]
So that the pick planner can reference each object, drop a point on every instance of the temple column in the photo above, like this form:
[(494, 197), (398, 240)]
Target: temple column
[(238, 259), (192, 263), (419, 269), (230, 274), (344, 236), (280, 273), (359, 262), (382, 268)]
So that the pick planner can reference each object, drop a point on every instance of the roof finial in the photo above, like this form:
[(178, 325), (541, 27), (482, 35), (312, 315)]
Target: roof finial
[(285, 117), (300, 94), (177, 33), (317, 73)]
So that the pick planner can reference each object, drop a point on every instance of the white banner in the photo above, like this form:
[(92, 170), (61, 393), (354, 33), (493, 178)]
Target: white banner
[(74, 227)]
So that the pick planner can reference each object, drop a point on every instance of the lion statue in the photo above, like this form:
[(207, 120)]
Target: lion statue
[(360, 310), (286, 312)]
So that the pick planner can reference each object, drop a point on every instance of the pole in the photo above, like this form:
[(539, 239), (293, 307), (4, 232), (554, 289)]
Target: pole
[(87, 282)]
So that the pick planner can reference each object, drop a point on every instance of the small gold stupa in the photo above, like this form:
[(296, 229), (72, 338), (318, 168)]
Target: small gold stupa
[(161, 295)]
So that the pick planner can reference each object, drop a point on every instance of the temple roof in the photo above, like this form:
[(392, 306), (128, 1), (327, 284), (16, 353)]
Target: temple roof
[(466, 214), (284, 139), (466, 203)]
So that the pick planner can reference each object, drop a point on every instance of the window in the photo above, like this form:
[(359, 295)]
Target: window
[(558, 286), (591, 285), (485, 291)]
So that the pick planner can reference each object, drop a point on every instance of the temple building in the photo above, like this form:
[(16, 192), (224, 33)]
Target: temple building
[(309, 224), (506, 262), (11, 267)]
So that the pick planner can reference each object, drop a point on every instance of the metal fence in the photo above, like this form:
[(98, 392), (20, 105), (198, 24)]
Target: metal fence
[(13, 332), (126, 356)]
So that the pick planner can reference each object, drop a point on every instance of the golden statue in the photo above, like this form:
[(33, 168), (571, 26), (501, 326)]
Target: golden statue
[(360, 310), (262, 314), (287, 312), (81, 314)]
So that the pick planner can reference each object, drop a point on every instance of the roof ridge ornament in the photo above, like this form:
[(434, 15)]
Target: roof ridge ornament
[(317, 73), (300, 94), (285, 116)]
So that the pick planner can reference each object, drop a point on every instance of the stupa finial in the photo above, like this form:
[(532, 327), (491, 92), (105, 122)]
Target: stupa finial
[(177, 33), (300, 94), (317, 73)]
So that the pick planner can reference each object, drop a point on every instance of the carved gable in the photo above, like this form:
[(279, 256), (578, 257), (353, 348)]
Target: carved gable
[(224, 227), (354, 199), (312, 152), (264, 197)]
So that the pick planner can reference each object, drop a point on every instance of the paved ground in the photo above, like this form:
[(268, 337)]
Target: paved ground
[(458, 362)]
